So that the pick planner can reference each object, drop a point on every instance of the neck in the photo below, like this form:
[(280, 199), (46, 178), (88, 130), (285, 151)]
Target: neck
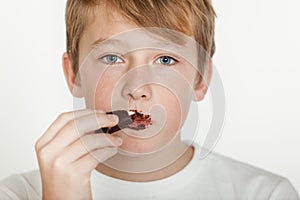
[(150, 167)]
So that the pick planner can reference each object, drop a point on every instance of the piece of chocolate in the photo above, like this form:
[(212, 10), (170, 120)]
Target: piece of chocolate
[(136, 121), (124, 121)]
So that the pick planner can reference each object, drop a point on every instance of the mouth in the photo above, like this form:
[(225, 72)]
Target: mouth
[(140, 121), (133, 120)]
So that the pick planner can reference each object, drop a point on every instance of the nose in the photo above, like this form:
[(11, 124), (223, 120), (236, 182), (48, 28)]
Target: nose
[(142, 93), (136, 87)]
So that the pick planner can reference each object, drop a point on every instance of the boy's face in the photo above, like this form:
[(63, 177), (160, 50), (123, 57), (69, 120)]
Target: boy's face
[(125, 67)]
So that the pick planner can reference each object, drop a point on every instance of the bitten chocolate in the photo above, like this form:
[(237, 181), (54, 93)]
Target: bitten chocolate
[(124, 121), (136, 121)]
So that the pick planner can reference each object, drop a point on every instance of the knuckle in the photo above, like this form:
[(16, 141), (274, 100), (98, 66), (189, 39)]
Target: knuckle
[(44, 156), (37, 145), (65, 116), (61, 116), (43, 153), (58, 163), (71, 121), (71, 124)]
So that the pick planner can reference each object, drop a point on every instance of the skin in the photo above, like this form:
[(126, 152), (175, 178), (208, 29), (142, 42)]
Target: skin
[(63, 159)]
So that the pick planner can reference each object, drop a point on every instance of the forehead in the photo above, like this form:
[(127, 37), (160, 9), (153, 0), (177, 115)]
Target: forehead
[(109, 30), (103, 23)]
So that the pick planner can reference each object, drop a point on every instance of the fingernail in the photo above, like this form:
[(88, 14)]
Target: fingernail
[(113, 118), (120, 140), (114, 151)]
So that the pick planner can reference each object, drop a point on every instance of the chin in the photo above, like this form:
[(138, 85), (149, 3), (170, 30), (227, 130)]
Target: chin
[(135, 145)]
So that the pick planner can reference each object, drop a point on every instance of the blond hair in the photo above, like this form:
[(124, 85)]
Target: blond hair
[(191, 17)]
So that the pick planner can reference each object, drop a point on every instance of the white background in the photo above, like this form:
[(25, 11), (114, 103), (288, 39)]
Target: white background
[(258, 48)]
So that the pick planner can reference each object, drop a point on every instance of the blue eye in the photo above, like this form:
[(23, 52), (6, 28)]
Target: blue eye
[(111, 59), (166, 60)]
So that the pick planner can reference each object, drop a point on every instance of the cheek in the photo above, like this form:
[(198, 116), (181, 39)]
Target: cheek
[(174, 110), (98, 91), (103, 93)]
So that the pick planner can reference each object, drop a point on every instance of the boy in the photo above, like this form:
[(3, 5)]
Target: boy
[(137, 55)]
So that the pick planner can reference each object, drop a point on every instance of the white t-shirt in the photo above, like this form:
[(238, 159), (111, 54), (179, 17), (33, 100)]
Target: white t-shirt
[(215, 177)]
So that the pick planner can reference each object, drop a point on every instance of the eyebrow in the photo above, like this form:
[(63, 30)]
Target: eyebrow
[(161, 44), (167, 44), (103, 40)]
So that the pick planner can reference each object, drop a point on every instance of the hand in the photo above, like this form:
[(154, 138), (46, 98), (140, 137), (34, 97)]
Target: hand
[(67, 155)]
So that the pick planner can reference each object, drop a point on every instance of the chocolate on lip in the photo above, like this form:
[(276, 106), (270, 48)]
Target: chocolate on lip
[(133, 120), (140, 121)]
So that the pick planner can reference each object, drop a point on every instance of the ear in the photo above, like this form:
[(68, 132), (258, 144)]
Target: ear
[(72, 81), (200, 89)]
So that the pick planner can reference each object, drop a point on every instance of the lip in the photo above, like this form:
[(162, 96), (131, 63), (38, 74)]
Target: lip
[(150, 131), (140, 120)]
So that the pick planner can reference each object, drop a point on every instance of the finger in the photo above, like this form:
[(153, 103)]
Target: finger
[(79, 126), (90, 161), (88, 144), (60, 122)]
